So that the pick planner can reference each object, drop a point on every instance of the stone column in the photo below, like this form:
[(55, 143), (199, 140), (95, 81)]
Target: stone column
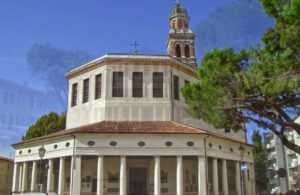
[(182, 50), (33, 176), (100, 176), (215, 177), (238, 177), (179, 176), (15, 175), (50, 176), (75, 184), (20, 178), (202, 180), (61, 177), (123, 182), (192, 51), (252, 176), (24, 177), (224, 177), (156, 175)]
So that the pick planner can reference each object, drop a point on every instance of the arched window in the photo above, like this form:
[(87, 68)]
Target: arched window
[(180, 24), (178, 52), (187, 51)]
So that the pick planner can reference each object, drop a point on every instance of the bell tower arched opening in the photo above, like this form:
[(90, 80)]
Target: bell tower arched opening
[(187, 51), (178, 51)]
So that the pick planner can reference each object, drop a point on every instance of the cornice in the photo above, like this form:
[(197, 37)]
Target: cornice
[(132, 60)]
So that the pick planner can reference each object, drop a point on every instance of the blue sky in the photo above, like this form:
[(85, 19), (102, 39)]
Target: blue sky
[(94, 26), (97, 27)]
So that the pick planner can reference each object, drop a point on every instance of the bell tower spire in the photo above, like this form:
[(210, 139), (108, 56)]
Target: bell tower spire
[(181, 39)]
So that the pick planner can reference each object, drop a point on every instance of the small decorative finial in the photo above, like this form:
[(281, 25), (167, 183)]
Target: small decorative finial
[(178, 2), (135, 44)]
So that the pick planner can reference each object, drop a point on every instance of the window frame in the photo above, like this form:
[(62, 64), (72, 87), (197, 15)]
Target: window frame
[(85, 90), (98, 86), (118, 84), (157, 84), (176, 94), (74, 94), (137, 84)]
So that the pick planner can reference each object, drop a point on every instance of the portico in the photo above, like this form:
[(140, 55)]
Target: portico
[(144, 172), (134, 164)]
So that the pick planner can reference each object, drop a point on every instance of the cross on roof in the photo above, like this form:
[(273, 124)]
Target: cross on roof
[(135, 44)]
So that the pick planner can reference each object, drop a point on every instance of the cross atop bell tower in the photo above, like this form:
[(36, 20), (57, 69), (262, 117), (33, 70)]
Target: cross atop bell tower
[(180, 43)]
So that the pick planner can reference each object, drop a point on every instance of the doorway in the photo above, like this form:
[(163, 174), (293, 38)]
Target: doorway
[(137, 181)]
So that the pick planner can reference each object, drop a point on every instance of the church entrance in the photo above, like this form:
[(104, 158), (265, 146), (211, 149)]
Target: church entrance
[(137, 181)]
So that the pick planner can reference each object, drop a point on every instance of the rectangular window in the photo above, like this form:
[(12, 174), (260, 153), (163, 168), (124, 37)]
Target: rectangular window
[(74, 94), (176, 87), (117, 84), (158, 84), (137, 84), (186, 82), (98, 80), (85, 97)]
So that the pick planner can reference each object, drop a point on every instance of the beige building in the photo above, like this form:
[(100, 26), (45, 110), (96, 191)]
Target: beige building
[(282, 157), (6, 173), (128, 132)]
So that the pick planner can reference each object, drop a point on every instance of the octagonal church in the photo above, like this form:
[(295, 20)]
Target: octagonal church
[(128, 132)]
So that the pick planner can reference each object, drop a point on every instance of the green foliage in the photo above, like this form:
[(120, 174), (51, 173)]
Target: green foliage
[(238, 24), (260, 85), (45, 125), (260, 163)]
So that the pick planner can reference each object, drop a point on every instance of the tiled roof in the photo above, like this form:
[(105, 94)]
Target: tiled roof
[(6, 159), (136, 127), (141, 127)]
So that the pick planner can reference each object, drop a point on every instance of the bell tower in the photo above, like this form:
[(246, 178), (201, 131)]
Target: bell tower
[(181, 39)]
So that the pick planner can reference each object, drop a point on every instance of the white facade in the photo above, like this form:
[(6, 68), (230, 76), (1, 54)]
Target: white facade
[(128, 108)]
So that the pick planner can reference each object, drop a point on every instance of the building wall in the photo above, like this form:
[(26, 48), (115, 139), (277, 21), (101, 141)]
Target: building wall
[(128, 108), (6, 174), (282, 157)]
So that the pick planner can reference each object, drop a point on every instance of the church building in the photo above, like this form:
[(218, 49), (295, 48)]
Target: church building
[(128, 133)]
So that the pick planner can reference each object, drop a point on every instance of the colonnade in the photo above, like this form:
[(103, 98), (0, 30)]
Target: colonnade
[(21, 177)]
